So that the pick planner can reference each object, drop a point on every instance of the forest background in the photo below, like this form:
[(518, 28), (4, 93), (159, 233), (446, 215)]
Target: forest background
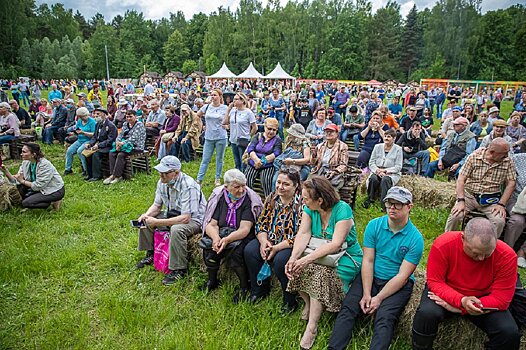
[(330, 39)]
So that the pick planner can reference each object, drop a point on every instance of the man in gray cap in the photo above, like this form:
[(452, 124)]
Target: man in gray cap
[(392, 249), (185, 208), (58, 120), (83, 102)]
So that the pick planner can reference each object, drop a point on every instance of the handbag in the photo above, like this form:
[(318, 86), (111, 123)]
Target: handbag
[(336, 180), (167, 136), (161, 248), (206, 242), (243, 142), (453, 155), (88, 152), (330, 260)]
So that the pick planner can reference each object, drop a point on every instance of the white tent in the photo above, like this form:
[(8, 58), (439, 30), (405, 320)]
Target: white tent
[(223, 73), (279, 74), (250, 73)]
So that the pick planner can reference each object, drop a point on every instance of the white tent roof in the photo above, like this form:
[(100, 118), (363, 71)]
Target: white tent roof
[(250, 73), (223, 73), (278, 73)]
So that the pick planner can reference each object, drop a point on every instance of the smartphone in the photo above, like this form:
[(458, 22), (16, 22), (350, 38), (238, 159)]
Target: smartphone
[(137, 223), (489, 308)]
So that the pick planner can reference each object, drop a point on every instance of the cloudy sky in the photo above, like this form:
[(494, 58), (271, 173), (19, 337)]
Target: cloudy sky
[(156, 9)]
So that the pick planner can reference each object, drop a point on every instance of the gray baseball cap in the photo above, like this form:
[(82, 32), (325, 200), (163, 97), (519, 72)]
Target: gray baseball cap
[(400, 194), (168, 163)]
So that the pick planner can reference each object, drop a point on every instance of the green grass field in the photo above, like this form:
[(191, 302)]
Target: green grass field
[(68, 279)]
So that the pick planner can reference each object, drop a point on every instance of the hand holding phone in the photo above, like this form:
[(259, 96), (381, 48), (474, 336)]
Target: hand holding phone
[(137, 224), (487, 309)]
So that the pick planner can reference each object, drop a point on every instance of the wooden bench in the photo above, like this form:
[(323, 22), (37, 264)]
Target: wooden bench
[(352, 177), (134, 163), (15, 145)]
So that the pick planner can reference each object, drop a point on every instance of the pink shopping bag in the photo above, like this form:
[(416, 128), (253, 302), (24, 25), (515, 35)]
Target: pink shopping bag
[(161, 246)]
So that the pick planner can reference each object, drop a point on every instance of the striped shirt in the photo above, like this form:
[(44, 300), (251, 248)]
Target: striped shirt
[(484, 177), (184, 196)]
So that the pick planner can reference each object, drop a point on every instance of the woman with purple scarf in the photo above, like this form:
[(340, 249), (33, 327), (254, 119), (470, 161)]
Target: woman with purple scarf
[(262, 150), (229, 221)]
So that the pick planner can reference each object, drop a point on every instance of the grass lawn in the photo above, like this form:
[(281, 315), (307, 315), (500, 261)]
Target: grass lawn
[(68, 279)]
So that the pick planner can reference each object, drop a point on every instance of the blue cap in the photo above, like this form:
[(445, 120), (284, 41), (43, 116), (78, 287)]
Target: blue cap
[(457, 108)]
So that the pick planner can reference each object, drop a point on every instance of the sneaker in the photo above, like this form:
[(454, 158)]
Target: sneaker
[(521, 262), (116, 180), (68, 172), (173, 277), (217, 182), (199, 182), (93, 179), (147, 260), (108, 180)]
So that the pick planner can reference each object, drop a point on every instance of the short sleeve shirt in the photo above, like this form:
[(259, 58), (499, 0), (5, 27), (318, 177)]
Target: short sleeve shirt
[(214, 120), (240, 122), (341, 211), (88, 127), (391, 249)]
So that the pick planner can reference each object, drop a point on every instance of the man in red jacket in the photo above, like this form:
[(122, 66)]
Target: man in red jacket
[(472, 274)]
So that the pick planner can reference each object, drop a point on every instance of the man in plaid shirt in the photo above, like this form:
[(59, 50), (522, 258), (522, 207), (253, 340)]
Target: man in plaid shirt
[(480, 183)]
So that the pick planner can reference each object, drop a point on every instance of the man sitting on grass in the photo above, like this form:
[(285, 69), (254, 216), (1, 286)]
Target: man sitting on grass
[(473, 274), (185, 208)]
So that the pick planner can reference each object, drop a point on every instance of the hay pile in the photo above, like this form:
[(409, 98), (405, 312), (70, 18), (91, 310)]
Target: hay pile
[(9, 196), (429, 193), (454, 333)]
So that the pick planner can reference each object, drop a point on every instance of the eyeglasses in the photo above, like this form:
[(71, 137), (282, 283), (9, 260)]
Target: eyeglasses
[(396, 205)]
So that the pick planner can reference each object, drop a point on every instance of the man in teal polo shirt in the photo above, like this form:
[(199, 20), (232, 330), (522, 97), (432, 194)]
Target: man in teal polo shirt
[(392, 249)]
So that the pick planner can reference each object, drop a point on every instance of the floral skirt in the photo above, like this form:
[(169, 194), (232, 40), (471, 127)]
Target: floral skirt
[(321, 283)]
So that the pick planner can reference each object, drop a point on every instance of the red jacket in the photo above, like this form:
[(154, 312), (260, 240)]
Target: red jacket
[(451, 274)]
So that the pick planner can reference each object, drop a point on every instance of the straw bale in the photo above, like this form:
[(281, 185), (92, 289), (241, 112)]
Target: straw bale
[(9, 196), (453, 334), (429, 193)]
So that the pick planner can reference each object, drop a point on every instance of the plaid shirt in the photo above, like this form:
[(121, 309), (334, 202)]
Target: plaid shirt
[(483, 177), (184, 196)]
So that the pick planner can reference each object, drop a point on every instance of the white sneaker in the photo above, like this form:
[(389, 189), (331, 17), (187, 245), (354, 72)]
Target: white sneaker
[(108, 180), (199, 182), (217, 183), (521, 262), (117, 179)]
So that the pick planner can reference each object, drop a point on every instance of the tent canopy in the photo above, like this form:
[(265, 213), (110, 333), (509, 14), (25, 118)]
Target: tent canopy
[(250, 73), (278, 73), (223, 73)]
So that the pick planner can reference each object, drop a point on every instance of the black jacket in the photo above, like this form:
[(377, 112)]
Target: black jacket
[(416, 143), (60, 115), (105, 134)]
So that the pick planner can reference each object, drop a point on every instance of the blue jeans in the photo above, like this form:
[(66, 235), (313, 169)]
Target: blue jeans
[(6, 138), (238, 155), (76, 147), (25, 98), (208, 151), (424, 156), (433, 168), (439, 111), (48, 133), (181, 150), (356, 141), (280, 119)]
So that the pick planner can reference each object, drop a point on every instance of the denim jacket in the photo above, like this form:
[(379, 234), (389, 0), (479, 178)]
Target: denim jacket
[(477, 129)]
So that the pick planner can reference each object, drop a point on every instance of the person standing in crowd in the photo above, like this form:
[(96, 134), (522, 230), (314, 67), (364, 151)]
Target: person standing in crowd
[(36, 89), (215, 135), (38, 182), (277, 110), (483, 298), (393, 247), (101, 142), (241, 122), (185, 208), (341, 101)]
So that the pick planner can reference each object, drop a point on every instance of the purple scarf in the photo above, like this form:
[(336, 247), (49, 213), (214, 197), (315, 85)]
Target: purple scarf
[(232, 207)]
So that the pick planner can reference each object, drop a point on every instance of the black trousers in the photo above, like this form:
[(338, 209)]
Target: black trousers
[(254, 262), (500, 326), (37, 200), (118, 162), (96, 164), (235, 259), (377, 185), (385, 319)]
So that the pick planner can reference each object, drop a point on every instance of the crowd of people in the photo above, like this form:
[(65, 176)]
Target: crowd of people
[(296, 146)]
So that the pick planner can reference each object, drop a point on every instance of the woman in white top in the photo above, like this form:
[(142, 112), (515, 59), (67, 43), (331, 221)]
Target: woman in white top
[(215, 135), (386, 166), (242, 124)]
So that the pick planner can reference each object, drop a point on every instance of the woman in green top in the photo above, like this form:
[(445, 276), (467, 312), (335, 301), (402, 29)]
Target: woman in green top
[(322, 287)]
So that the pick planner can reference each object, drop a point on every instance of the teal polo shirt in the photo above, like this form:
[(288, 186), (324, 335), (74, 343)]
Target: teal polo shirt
[(392, 248)]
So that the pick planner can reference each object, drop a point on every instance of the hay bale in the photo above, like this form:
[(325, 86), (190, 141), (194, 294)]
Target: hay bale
[(429, 193), (9, 196), (453, 333)]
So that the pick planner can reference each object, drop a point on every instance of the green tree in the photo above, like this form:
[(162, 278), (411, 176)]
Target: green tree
[(189, 66), (412, 37), (24, 59), (212, 64), (175, 52)]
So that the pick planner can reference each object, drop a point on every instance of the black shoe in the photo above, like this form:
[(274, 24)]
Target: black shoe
[(148, 260), (367, 204), (288, 308), (209, 286), (241, 295), (93, 179), (254, 299), (87, 177), (173, 277), (68, 172)]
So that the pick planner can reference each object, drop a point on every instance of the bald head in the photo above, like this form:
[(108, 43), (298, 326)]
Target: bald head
[(498, 150), (500, 144), (481, 229)]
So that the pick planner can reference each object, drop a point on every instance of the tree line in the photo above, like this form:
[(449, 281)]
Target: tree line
[(330, 39)]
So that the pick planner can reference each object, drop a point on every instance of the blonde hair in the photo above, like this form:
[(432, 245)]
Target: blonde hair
[(271, 122)]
